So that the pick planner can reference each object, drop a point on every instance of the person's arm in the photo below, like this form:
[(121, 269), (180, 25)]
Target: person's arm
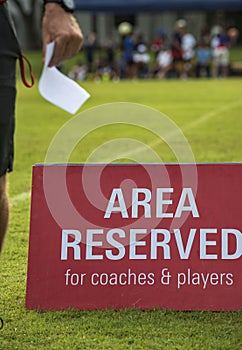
[(60, 26)]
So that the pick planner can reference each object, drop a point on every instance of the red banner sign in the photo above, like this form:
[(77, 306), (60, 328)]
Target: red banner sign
[(136, 236)]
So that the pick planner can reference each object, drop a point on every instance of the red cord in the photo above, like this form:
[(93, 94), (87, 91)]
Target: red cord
[(23, 59)]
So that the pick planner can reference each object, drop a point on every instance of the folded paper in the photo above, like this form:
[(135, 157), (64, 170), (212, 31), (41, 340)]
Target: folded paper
[(58, 89)]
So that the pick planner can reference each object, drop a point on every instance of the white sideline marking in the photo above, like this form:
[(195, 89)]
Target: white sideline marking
[(203, 118), (16, 200), (211, 114)]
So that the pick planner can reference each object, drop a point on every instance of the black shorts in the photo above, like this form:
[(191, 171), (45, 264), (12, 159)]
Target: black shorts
[(9, 52)]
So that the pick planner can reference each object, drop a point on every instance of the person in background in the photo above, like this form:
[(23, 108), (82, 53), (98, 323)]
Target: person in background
[(78, 72), (58, 25), (220, 48), (105, 72), (141, 58), (203, 54), (159, 41), (220, 44), (129, 45), (188, 43), (176, 49), (164, 63), (89, 50), (109, 50)]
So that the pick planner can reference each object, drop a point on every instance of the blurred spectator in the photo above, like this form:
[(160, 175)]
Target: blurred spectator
[(127, 62), (89, 50), (159, 41), (141, 58), (164, 60), (203, 60), (78, 72), (220, 44), (176, 48), (163, 63), (220, 47), (188, 43), (140, 40), (105, 72), (109, 48)]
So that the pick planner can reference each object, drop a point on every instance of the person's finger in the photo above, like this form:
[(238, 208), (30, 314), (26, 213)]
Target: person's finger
[(72, 48), (59, 52)]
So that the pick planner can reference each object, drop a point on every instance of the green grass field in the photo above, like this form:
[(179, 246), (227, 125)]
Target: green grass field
[(209, 113)]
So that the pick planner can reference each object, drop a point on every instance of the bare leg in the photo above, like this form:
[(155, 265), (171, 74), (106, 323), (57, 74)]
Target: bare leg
[(4, 211)]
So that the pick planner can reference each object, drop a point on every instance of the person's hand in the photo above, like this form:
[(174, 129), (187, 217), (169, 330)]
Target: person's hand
[(61, 27)]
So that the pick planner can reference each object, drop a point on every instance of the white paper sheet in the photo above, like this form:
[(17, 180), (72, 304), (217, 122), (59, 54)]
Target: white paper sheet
[(58, 88)]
